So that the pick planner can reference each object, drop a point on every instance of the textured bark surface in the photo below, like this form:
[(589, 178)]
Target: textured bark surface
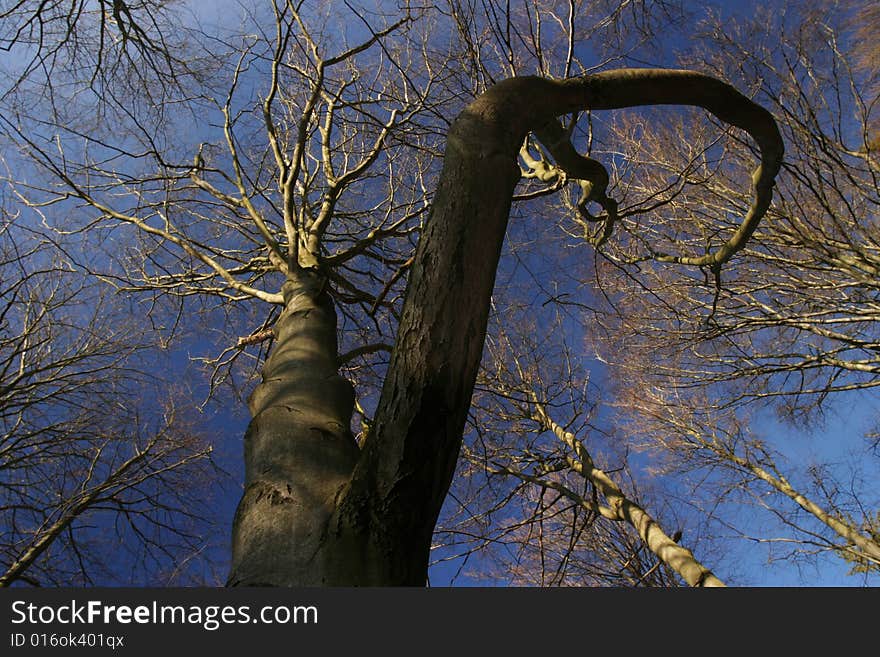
[(299, 451), (315, 509), (410, 455)]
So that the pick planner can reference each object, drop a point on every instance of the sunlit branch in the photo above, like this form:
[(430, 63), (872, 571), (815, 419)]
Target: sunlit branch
[(675, 556)]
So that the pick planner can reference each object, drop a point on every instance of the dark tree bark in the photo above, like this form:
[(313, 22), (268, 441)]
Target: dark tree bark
[(316, 510)]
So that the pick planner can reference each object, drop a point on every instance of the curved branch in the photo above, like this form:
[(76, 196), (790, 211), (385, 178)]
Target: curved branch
[(409, 457), (640, 87)]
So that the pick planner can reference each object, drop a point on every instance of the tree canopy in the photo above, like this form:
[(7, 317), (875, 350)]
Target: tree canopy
[(660, 372)]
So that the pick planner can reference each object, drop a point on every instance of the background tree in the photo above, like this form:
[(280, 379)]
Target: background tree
[(94, 43), (91, 490), (790, 327)]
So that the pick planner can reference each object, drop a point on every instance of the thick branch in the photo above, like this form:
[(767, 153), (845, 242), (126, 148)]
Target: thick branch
[(639, 87)]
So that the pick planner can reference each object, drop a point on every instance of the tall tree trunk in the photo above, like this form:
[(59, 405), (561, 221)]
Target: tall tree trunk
[(299, 450)]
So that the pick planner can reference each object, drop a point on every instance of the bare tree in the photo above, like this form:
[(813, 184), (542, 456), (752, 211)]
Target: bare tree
[(701, 437), (791, 325), (577, 524), (308, 196), (79, 465)]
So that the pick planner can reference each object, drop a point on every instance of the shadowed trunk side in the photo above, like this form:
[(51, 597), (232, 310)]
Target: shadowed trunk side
[(299, 450)]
